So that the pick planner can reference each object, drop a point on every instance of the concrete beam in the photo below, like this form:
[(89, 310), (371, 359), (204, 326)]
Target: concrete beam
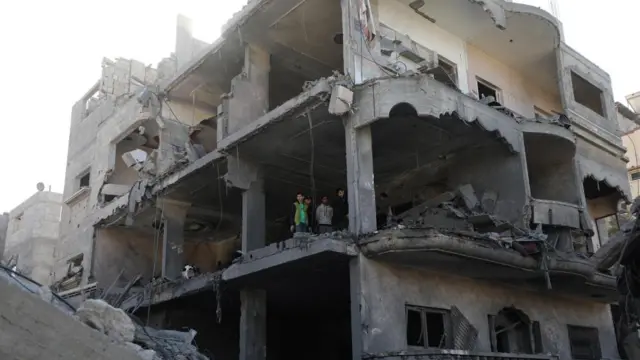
[(285, 252), (253, 324), (305, 100), (174, 215), (360, 183)]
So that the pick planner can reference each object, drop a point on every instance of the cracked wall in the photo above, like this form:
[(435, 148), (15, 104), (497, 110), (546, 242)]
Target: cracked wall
[(387, 288)]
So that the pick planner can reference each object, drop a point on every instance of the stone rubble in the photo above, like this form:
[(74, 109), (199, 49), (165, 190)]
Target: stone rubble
[(148, 343)]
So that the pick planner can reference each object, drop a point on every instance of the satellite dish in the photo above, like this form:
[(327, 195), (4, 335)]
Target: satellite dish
[(40, 186)]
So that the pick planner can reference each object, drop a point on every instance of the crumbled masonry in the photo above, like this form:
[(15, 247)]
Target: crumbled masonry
[(149, 343)]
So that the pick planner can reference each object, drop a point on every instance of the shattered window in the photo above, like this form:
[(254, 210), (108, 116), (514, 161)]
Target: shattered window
[(486, 89), (513, 332), (585, 342), (428, 327)]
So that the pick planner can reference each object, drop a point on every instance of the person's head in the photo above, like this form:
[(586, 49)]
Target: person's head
[(300, 197), (325, 199), (307, 200), (340, 192)]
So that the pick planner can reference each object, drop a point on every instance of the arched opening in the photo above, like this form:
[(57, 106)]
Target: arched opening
[(512, 331), (417, 158)]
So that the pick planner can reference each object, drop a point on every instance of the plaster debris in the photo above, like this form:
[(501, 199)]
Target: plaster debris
[(101, 316), (148, 343)]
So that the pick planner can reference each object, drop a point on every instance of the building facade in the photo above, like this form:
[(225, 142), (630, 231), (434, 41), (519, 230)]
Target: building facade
[(479, 152), (32, 234)]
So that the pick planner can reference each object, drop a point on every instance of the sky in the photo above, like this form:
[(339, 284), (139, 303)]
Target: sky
[(53, 51)]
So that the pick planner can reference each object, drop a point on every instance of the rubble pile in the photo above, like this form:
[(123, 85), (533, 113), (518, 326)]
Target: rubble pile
[(148, 343), (464, 213)]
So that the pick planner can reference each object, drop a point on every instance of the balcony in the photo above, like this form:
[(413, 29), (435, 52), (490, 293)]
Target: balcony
[(442, 354)]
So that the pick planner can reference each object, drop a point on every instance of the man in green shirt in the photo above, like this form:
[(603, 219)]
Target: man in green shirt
[(299, 215)]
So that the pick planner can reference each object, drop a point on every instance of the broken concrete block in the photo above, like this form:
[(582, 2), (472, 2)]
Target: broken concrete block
[(468, 196), (341, 100), (103, 317), (489, 199)]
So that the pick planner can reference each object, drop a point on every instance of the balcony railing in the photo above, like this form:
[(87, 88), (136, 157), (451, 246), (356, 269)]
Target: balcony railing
[(438, 354)]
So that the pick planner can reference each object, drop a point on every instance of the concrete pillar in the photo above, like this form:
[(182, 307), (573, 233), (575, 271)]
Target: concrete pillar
[(360, 185), (250, 97), (253, 324), (357, 308), (247, 176), (174, 215)]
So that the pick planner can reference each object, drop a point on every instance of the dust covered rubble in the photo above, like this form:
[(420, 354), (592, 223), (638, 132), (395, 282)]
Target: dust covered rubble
[(148, 343), (463, 212)]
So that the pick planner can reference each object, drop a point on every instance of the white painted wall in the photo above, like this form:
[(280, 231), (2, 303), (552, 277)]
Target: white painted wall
[(517, 93), (403, 19)]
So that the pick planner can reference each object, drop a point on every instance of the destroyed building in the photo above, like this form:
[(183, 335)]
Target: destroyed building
[(31, 235), (480, 155)]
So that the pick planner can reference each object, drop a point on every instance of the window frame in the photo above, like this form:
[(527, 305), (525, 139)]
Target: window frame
[(585, 330), (81, 176), (595, 221), (454, 67), (574, 75), (491, 86), (424, 310)]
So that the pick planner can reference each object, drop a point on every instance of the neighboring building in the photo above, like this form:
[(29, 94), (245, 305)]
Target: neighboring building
[(495, 143), (32, 234), (629, 123)]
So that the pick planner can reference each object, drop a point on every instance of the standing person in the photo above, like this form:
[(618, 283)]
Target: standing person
[(310, 214), (340, 210), (299, 215), (324, 216)]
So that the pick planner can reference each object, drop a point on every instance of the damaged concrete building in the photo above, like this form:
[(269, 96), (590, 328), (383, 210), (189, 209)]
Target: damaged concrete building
[(479, 152), (31, 231)]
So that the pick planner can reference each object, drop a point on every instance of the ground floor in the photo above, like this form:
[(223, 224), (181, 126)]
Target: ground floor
[(330, 302)]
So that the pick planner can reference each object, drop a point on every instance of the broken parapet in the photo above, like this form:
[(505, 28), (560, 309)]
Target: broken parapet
[(149, 343)]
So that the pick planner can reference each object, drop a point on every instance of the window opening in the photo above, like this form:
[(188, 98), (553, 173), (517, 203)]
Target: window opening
[(587, 94), (486, 89), (584, 342), (428, 327), (513, 332)]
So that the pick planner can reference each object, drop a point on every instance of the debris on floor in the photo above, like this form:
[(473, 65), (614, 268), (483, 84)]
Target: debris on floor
[(464, 212), (148, 343)]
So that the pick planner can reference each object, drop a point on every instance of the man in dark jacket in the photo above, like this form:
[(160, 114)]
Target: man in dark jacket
[(340, 210), (299, 215)]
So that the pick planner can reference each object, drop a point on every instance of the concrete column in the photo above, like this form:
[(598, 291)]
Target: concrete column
[(360, 184), (250, 97), (253, 324), (357, 308), (174, 215), (247, 176)]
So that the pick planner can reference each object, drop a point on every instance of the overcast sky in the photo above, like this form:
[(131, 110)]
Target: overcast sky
[(52, 51)]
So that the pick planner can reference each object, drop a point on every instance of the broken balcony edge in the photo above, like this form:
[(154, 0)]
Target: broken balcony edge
[(419, 242)]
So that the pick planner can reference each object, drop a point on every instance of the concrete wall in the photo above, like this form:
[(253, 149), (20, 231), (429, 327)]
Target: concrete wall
[(130, 250), (386, 289), (4, 225), (33, 329), (33, 233), (403, 19), (518, 94), (494, 169)]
